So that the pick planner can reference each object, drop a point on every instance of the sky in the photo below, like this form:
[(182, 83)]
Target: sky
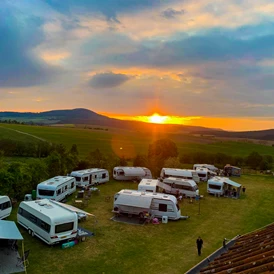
[(207, 63)]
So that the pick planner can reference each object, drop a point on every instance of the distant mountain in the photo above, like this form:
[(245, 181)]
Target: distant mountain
[(88, 117)]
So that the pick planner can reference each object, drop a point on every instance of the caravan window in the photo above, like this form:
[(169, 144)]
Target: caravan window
[(121, 172), (202, 175), (104, 175), (5, 205), (78, 179), (45, 192), (163, 207), (64, 227), (58, 192), (72, 185), (85, 178), (218, 187)]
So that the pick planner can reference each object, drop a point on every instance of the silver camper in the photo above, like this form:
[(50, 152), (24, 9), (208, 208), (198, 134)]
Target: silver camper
[(180, 173), (121, 173), (135, 202), (5, 207)]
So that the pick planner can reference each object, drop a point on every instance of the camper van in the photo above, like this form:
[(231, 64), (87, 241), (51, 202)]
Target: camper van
[(232, 171), (134, 202), (186, 187), (121, 173), (180, 173), (223, 186), (210, 167), (204, 173), (57, 188), (48, 221), (5, 207), (90, 177), (149, 185)]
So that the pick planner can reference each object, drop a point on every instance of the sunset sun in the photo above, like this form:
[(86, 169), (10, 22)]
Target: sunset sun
[(157, 119)]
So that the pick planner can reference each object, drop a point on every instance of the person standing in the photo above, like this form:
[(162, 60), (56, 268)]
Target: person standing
[(199, 243)]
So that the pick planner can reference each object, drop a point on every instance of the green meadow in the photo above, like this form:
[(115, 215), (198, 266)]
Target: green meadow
[(127, 143), (164, 248)]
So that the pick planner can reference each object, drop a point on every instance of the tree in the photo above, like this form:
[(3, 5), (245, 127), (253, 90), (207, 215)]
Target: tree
[(254, 160), (173, 162), (140, 160), (158, 152)]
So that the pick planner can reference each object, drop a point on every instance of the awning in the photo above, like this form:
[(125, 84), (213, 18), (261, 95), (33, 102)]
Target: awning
[(73, 208), (229, 182), (9, 230)]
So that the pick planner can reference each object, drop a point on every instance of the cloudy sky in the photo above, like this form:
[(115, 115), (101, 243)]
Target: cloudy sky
[(209, 61)]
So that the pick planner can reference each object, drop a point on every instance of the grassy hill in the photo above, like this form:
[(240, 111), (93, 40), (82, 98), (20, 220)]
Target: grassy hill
[(128, 143)]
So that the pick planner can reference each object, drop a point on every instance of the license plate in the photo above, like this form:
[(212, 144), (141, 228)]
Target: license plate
[(63, 237)]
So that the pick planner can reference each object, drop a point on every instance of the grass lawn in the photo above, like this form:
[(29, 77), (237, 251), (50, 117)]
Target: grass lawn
[(165, 248), (127, 143)]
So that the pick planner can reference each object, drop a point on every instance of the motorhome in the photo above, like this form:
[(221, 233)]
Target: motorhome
[(220, 186), (210, 167), (133, 202), (149, 185), (5, 207), (57, 188), (185, 187), (121, 173), (232, 171), (48, 221), (180, 173), (204, 173), (90, 177)]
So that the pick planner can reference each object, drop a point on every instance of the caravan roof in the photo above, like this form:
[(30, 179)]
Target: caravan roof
[(178, 172), (180, 181), (140, 199), (48, 208), (85, 171), (55, 181), (132, 171), (149, 182)]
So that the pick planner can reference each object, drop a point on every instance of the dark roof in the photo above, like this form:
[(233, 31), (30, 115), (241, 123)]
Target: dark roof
[(250, 253)]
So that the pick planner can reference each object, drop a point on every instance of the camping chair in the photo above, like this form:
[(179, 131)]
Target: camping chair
[(23, 261)]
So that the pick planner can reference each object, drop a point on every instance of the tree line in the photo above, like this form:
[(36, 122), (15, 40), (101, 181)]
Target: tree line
[(17, 178)]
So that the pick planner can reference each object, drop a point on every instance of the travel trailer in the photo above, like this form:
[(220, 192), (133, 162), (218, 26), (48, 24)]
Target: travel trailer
[(170, 185), (232, 171), (48, 221), (204, 173), (5, 207), (133, 202), (220, 186), (210, 167), (185, 187), (180, 173), (57, 188), (90, 177), (121, 173), (149, 185)]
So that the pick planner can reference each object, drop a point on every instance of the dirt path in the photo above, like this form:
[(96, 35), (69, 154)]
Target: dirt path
[(21, 132)]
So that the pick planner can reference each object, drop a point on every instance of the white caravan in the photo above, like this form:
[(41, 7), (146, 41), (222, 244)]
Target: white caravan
[(5, 207), (205, 174), (90, 177), (48, 221), (223, 186), (210, 167), (149, 185), (180, 173), (185, 187), (134, 202), (57, 188), (121, 173)]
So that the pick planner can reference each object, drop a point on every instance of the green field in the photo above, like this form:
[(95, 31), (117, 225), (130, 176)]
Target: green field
[(128, 143), (164, 248)]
